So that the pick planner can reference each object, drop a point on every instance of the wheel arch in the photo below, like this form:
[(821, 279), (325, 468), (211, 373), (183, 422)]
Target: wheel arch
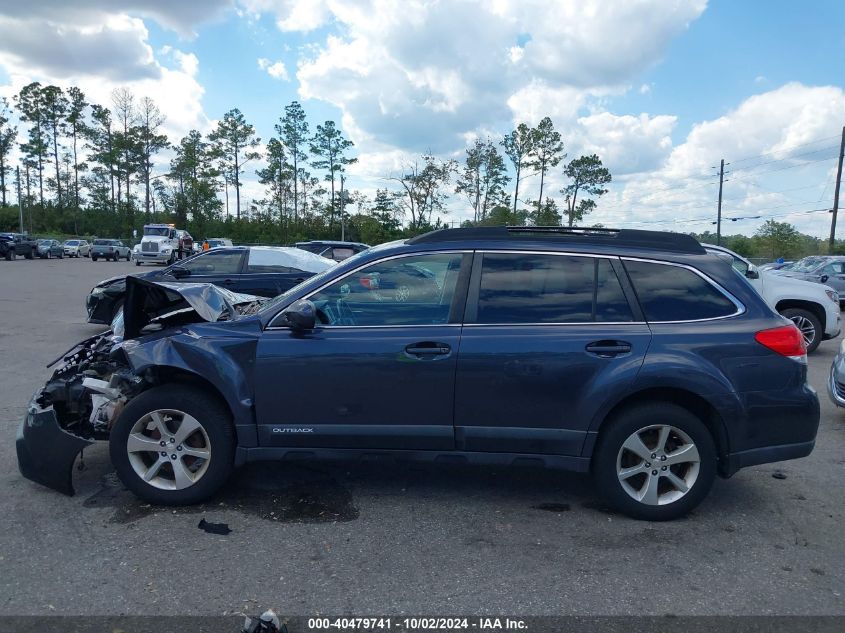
[(802, 304), (695, 403)]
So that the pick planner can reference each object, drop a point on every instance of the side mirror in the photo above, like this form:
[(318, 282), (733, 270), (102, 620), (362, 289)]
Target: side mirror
[(179, 272), (752, 273), (823, 279), (301, 316)]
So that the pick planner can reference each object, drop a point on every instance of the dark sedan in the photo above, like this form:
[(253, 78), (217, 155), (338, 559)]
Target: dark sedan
[(48, 249), (258, 270)]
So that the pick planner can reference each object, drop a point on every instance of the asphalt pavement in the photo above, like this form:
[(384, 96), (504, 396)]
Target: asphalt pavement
[(398, 538)]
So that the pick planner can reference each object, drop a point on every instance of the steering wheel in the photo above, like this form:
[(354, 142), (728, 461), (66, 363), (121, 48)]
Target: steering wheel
[(345, 316)]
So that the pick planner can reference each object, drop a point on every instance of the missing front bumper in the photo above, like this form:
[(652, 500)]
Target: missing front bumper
[(46, 452)]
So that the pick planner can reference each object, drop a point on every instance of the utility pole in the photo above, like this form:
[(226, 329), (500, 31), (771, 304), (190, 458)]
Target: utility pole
[(20, 201), (719, 212), (836, 193)]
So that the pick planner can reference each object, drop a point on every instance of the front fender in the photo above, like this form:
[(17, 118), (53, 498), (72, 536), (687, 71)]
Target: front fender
[(225, 361)]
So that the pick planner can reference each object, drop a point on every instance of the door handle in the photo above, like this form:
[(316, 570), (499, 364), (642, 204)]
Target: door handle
[(428, 349), (608, 349)]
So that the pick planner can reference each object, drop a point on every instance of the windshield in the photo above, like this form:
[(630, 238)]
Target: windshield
[(72, 242), (44, 242), (807, 264), (157, 230)]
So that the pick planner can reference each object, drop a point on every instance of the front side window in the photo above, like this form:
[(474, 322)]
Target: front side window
[(415, 290), (527, 288), (214, 263), (673, 293), (834, 268)]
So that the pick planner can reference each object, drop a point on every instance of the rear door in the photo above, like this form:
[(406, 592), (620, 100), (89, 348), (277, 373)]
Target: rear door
[(546, 338)]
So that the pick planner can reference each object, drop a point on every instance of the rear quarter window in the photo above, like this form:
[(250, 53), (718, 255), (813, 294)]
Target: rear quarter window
[(673, 293)]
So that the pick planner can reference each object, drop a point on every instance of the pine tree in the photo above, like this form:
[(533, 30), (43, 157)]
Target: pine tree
[(546, 152), (30, 103), (293, 132), (588, 176), (78, 130), (8, 134), (236, 142), (329, 145), (518, 146)]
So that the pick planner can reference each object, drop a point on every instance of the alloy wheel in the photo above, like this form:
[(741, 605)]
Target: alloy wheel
[(657, 464), (808, 330), (169, 449)]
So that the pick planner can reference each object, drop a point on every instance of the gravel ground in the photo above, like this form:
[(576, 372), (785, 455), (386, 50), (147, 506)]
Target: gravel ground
[(397, 538)]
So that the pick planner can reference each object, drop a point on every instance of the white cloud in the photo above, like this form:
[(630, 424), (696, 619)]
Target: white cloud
[(276, 69), (181, 16), (781, 146)]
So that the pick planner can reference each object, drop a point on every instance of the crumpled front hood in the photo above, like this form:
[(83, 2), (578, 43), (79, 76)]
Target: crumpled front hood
[(150, 300)]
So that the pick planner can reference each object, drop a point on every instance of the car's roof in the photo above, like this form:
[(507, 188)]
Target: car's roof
[(334, 243), (565, 238)]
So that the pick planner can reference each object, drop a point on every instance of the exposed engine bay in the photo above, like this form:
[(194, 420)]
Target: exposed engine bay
[(86, 394)]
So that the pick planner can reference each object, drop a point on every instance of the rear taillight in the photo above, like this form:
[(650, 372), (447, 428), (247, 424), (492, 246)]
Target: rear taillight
[(786, 340)]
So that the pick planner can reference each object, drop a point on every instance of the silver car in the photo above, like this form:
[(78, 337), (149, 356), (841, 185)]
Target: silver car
[(828, 270)]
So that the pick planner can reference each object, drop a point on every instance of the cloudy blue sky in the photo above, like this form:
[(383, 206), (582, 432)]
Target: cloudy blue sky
[(660, 89)]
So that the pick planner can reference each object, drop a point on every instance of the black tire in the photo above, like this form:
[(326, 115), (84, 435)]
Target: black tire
[(172, 259), (10, 255), (137, 262), (806, 320), (128, 256), (620, 428), (93, 258), (30, 254), (217, 423), (47, 255), (61, 255)]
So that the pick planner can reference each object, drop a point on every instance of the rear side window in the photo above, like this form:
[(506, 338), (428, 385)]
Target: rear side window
[(526, 288), (673, 293)]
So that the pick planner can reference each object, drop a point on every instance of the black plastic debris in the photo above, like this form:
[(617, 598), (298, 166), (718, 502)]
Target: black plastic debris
[(214, 528), (779, 475)]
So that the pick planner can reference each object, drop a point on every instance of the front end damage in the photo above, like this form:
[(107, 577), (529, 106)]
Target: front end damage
[(98, 376)]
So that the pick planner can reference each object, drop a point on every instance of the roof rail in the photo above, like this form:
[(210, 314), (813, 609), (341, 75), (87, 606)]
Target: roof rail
[(633, 238)]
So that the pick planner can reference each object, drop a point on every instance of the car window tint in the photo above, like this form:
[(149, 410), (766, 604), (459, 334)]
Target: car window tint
[(268, 261), (834, 268), (414, 290), (214, 263), (524, 288), (672, 293), (340, 254)]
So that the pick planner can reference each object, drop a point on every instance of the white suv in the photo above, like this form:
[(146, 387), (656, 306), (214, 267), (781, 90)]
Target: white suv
[(813, 307)]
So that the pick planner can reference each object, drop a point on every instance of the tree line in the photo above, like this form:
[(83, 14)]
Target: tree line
[(92, 169)]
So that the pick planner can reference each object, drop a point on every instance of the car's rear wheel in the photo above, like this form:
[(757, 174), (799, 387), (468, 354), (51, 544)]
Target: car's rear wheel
[(655, 461), (10, 255), (30, 254), (93, 258), (173, 445), (808, 323)]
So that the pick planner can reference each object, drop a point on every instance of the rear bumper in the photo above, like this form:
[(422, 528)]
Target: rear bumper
[(778, 426), (766, 455), (46, 452)]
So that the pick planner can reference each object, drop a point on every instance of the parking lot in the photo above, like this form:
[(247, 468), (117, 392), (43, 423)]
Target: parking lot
[(394, 538)]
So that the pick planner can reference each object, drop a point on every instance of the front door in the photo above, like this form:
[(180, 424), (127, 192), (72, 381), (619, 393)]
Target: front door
[(378, 371), (546, 339)]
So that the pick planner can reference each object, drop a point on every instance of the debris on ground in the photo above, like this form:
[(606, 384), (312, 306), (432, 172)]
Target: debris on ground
[(214, 528)]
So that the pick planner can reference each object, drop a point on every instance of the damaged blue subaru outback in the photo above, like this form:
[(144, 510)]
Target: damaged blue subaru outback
[(632, 355)]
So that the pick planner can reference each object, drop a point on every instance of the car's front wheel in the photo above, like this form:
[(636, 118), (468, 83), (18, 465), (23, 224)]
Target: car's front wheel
[(808, 323), (173, 445), (655, 461)]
